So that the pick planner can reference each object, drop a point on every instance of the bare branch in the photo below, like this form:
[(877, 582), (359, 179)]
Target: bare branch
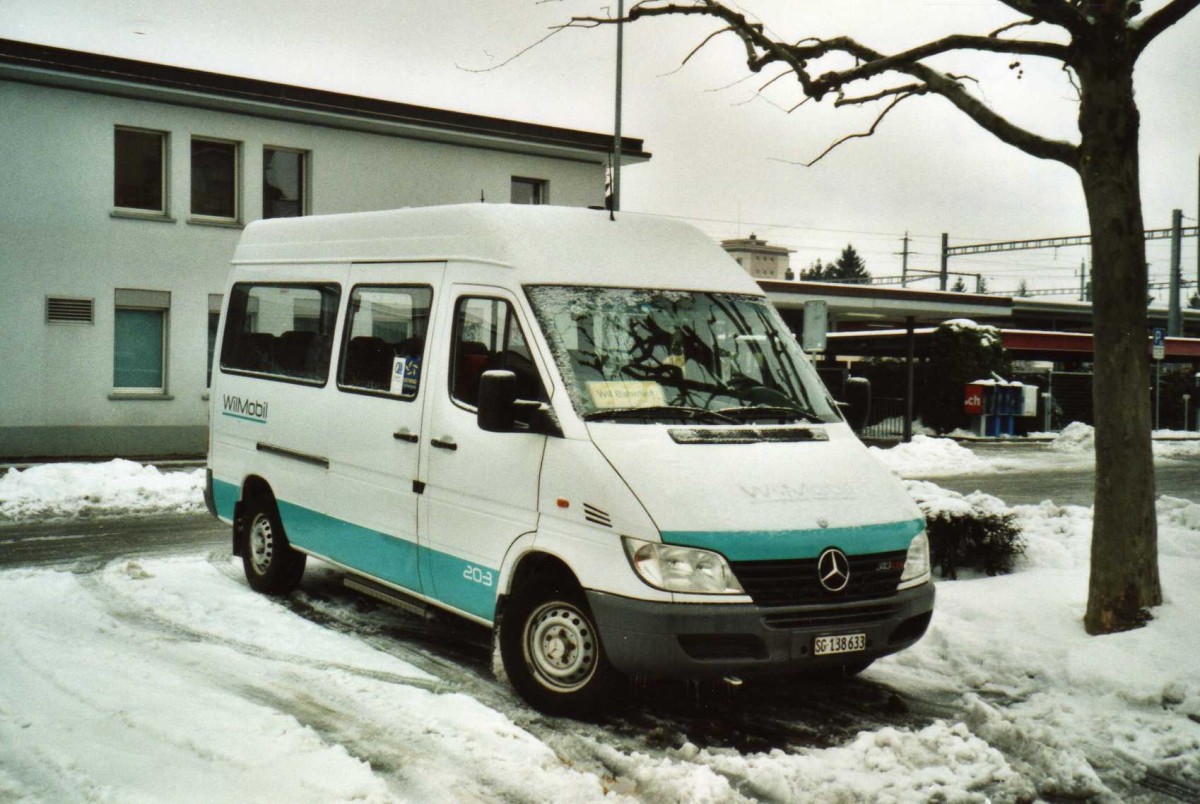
[(511, 58), (1070, 71), (874, 64), (706, 40), (907, 89), (862, 134), (761, 51), (1160, 21), (773, 80), (732, 84), (1011, 25)]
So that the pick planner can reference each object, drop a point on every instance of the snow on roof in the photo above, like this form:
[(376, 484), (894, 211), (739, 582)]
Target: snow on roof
[(542, 244)]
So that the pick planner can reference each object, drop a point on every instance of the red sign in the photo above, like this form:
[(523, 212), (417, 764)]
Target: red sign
[(973, 399)]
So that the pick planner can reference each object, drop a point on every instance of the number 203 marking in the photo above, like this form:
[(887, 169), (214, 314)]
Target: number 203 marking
[(479, 576)]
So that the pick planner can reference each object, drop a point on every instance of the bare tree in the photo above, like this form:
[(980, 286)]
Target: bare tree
[(1098, 42)]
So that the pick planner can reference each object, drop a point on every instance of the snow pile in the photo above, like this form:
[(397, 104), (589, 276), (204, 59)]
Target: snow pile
[(931, 457), (1075, 437), (939, 503), (1174, 444), (59, 490)]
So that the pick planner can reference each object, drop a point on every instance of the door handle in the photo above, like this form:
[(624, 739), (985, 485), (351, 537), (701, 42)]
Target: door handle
[(444, 443), (405, 435)]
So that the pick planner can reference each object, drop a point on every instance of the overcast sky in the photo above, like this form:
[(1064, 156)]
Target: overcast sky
[(725, 156)]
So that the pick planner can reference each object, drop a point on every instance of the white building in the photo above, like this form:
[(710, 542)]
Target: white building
[(125, 187), (760, 259)]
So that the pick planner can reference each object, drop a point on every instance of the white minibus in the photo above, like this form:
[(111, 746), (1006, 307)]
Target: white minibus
[(591, 433)]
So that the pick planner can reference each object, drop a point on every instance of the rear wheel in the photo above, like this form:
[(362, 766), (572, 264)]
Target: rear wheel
[(552, 652), (271, 565)]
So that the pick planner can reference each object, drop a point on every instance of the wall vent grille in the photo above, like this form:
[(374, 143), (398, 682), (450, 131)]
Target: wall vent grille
[(61, 310)]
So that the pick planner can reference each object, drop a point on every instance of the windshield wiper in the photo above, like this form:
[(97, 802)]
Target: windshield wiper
[(754, 412), (684, 412)]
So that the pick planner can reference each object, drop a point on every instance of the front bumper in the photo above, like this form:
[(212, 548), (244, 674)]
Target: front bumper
[(691, 640)]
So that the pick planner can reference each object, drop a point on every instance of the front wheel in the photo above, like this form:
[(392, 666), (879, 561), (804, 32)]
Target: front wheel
[(552, 653), (271, 565)]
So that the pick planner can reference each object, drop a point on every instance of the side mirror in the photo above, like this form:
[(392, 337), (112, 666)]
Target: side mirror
[(497, 395), (858, 400)]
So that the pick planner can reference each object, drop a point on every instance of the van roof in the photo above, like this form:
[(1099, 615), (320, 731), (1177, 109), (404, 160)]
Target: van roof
[(541, 244)]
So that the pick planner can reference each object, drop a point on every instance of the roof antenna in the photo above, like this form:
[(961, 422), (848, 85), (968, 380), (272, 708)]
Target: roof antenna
[(481, 199)]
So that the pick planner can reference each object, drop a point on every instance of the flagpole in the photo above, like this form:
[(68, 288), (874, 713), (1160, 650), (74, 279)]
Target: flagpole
[(616, 172)]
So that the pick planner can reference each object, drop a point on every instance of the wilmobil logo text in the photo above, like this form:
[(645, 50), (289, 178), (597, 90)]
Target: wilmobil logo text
[(248, 410)]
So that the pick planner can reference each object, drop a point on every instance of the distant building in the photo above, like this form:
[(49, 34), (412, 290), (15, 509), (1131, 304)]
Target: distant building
[(760, 259), (126, 185)]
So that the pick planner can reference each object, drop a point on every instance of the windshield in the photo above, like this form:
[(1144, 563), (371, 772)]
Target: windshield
[(655, 355)]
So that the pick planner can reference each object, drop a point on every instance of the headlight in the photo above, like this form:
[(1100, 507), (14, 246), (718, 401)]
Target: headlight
[(916, 563), (681, 569)]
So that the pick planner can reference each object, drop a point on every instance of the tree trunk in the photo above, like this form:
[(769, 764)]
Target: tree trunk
[(1124, 579)]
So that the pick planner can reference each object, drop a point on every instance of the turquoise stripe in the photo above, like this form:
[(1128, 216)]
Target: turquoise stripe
[(467, 586), (243, 418), (224, 497), (389, 558), (774, 545)]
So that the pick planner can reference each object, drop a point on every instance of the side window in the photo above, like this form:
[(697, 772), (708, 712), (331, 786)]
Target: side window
[(281, 330), (384, 340), (487, 336)]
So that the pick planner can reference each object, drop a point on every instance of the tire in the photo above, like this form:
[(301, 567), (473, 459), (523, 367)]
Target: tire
[(552, 653), (271, 565)]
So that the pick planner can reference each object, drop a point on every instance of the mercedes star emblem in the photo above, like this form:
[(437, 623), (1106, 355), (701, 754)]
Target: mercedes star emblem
[(833, 569)]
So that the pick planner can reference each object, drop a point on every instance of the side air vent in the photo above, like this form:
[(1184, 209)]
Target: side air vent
[(61, 310), (597, 517)]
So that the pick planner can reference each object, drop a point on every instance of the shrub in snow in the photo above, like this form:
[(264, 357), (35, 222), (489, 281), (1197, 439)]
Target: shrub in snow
[(976, 531)]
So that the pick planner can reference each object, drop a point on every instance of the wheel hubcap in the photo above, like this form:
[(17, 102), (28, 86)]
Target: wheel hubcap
[(262, 544), (560, 646)]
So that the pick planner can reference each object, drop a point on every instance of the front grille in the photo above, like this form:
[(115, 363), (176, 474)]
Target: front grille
[(794, 582), (831, 617)]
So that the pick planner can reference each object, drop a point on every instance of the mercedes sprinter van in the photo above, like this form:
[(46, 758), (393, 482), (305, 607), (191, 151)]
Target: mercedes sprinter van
[(595, 436)]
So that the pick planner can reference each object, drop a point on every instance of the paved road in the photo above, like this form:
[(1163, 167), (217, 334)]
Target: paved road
[(1174, 477), (88, 544)]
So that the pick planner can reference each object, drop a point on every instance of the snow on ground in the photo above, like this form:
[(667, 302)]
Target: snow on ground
[(1073, 448), (167, 679), (56, 490)]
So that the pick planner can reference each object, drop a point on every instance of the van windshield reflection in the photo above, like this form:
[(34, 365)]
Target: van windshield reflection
[(638, 355)]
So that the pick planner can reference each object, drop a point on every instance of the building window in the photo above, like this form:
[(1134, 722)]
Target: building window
[(215, 179), (140, 340), (139, 173), (284, 178), (214, 319), (529, 191)]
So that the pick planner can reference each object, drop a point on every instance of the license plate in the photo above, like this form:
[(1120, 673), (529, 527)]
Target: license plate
[(844, 643)]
